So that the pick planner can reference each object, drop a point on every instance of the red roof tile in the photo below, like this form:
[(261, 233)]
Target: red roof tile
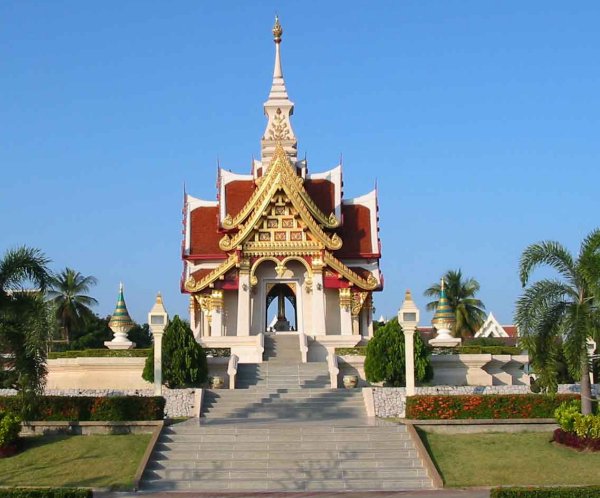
[(355, 231), (322, 192), (204, 236), (237, 194)]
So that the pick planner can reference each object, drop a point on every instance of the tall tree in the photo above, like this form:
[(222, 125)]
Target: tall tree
[(470, 311), (67, 293), (561, 310), (24, 331)]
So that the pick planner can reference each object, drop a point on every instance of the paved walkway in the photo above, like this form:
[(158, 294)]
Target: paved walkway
[(442, 493)]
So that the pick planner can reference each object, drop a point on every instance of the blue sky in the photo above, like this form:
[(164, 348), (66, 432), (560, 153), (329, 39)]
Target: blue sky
[(480, 121)]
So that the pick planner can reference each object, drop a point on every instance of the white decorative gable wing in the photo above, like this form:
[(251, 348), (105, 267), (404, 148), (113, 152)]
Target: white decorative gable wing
[(491, 328)]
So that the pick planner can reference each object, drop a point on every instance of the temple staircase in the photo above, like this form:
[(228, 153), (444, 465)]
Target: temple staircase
[(284, 429)]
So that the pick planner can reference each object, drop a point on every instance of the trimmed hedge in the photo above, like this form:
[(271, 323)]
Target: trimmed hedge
[(100, 353), (486, 406), (512, 350), (539, 492), (88, 408), (355, 351), (218, 352), (46, 493)]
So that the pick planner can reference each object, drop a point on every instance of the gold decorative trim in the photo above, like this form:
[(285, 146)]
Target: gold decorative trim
[(368, 284), (345, 299), (281, 175), (358, 301), (280, 267), (191, 285)]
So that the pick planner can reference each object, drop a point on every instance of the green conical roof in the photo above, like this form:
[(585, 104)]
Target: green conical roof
[(444, 316), (120, 318)]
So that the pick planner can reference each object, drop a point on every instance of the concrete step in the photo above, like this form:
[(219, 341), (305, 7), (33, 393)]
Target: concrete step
[(311, 473), (283, 484), (349, 430), (393, 462), (212, 437)]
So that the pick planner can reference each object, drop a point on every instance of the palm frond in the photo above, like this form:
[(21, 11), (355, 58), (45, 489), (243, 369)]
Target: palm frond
[(21, 265), (549, 253)]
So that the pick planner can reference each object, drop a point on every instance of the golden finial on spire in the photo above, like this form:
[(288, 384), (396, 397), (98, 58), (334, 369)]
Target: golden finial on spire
[(159, 298), (442, 284), (407, 295), (277, 30)]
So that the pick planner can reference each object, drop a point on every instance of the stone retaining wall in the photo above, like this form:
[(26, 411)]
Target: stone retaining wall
[(391, 401), (179, 402)]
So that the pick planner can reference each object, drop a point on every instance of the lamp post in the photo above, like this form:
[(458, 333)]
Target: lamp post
[(408, 318), (591, 347), (157, 320)]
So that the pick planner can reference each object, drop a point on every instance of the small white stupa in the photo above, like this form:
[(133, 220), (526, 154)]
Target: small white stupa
[(443, 321)]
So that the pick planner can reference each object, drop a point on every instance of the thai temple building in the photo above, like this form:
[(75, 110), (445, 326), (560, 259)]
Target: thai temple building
[(279, 234)]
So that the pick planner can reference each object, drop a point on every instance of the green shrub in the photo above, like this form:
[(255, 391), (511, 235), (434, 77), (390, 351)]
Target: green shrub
[(569, 418), (183, 359), (490, 406), (545, 492), (10, 426), (385, 356), (355, 351), (46, 493), (100, 353), (86, 408)]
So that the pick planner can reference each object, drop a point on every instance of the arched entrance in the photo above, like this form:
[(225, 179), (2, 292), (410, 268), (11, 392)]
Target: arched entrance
[(283, 298)]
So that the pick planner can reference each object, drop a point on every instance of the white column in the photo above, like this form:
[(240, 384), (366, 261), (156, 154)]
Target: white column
[(369, 313), (157, 362), (345, 311), (216, 304), (318, 305), (409, 355), (243, 308), (364, 321)]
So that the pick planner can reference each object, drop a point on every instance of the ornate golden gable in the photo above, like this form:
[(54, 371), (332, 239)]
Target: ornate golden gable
[(281, 179), (280, 171)]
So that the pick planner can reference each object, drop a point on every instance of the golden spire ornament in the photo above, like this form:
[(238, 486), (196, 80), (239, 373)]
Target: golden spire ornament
[(277, 30)]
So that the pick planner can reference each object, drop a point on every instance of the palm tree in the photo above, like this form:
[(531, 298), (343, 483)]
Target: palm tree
[(563, 309), (24, 277), (470, 312), (67, 295)]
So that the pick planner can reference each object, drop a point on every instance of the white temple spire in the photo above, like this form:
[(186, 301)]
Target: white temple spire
[(278, 109)]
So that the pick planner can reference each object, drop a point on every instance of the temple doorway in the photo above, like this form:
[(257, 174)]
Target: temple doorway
[(281, 306)]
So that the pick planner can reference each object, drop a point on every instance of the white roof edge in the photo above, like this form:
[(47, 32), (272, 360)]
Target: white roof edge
[(326, 175), (195, 202), (362, 199), (229, 176)]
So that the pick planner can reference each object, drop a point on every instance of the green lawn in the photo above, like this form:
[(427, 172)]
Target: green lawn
[(527, 458), (86, 461)]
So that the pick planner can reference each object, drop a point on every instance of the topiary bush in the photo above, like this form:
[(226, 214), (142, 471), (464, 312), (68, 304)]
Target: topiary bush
[(183, 359), (385, 358)]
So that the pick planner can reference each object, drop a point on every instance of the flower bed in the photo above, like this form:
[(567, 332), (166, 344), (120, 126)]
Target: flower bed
[(517, 406), (45, 493), (546, 492), (88, 408), (578, 431)]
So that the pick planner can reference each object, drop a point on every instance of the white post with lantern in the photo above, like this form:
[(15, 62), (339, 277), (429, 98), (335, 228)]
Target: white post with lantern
[(408, 318), (157, 320)]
